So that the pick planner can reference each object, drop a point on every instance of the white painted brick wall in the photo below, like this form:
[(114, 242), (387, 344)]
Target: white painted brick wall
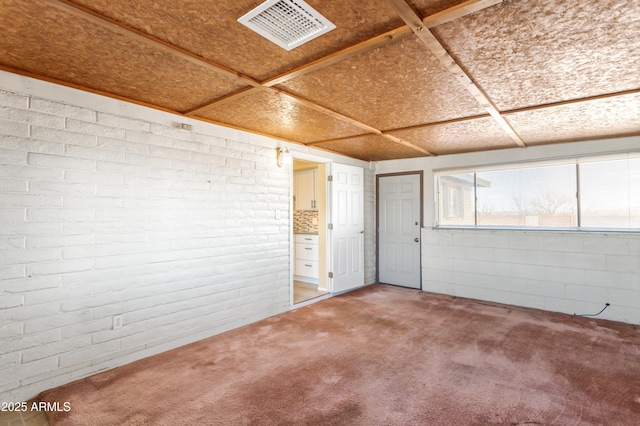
[(557, 271), (104, 214), (370, 250)]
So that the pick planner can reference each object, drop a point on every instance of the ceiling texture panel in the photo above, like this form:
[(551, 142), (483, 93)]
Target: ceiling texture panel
[(275, 114), (210, 29), (534, 52), (94, 56), (394, 79), (462, 136), (401, 77), (575, 121), (370, 148)]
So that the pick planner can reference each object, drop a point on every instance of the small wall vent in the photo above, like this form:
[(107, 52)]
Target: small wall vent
[(287, 23)]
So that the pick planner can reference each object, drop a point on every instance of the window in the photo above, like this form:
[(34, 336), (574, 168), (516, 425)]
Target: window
[(596, 193), (610, 193), (533, 196)]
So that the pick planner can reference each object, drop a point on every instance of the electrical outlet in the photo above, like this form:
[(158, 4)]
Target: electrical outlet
[(117, 322)]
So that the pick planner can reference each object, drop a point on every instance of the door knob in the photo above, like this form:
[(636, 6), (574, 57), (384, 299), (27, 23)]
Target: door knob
[(416, 240)]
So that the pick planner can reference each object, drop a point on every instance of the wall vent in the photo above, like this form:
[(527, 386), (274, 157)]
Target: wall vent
[(287, 23)]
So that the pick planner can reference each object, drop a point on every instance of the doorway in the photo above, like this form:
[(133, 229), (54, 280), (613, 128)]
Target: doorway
[(309, 207), (327, 242), (399, 222)]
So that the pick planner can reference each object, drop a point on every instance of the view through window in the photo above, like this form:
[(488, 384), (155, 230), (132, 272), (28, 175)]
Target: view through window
[(596, 193)]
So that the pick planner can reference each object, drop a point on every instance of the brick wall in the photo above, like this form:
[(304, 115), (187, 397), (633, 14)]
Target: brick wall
[(370, 250), (104, 214)]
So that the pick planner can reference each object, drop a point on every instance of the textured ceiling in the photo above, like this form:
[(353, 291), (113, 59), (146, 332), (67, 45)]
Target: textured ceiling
[(395, 79)]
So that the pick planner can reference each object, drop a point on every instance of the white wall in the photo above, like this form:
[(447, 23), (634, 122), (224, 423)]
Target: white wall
[(106, 208), (570, 272)]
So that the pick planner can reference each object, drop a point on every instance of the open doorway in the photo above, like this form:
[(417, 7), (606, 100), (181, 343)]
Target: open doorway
[(310, 242)]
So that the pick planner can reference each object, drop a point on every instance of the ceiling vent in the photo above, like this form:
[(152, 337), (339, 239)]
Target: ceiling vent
[(287, 23)]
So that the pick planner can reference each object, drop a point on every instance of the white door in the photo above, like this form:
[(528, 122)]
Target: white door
[(399, 230), (347, 218)]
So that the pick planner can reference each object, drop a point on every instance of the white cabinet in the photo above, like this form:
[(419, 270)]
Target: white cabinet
[(306, 263), (305, 189)]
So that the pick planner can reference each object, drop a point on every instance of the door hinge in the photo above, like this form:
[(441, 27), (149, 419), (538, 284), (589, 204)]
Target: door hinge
[(330, 178), (331, 226), (330, 274)]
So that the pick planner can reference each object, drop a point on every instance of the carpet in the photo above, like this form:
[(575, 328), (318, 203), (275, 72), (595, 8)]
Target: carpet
[(381, 355)]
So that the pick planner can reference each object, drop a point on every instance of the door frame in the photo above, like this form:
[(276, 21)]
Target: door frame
[(415, 172), (327, 162)]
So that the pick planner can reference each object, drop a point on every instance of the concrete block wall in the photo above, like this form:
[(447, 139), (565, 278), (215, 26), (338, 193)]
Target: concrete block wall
[(108, 209), (574, 273)]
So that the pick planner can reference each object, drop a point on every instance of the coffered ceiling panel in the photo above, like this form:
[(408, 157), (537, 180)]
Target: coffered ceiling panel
[(605, 117), (463, 136), (210, 29), (399, 85), (57, 45), (370, 148), (275, 114), (394, 79), (533, 52)]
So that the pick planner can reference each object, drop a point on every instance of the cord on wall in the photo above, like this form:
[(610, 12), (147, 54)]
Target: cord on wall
[(606, 305)]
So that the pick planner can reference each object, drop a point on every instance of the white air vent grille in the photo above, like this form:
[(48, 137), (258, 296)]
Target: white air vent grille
[(287, 23)]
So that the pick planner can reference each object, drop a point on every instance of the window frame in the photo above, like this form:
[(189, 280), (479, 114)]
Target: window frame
[(574, 160)]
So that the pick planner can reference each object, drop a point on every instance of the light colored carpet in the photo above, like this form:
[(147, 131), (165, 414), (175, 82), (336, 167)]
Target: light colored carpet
[(379, 356)]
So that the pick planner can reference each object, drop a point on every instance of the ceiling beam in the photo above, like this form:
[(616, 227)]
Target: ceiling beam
[(416, 24), (458, 11), (378, 41), (134, 34), (573, 101), (311, 105), (407, 144), (384, 135), (86, 89), (372, 43), (430, 21), (438, 123), (219, 101), (356, 123)]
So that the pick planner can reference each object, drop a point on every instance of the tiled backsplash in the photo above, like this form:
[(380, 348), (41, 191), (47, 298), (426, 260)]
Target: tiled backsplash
[(305, 221)]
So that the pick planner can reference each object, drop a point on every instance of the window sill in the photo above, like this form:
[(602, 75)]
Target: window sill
[(539, 229)]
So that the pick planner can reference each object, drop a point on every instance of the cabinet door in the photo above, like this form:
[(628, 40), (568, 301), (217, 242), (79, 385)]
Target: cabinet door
[(305, 190)]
